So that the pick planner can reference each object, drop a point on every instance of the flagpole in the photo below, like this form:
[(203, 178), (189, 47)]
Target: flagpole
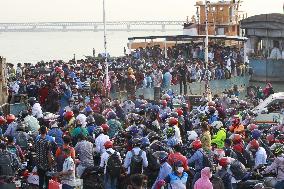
[(105, 47)]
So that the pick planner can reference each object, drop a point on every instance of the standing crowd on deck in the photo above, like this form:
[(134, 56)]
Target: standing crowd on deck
[(72, 130)]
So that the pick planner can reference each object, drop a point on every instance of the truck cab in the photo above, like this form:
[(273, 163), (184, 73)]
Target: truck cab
[(271, 110)]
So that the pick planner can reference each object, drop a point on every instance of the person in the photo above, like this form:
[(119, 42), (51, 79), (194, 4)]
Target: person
[(135, 159), (102, 138), (59, 156), (260, 153), (43, 156), (165, 168), (22, 137), (223, 173), (183, 72), (9, 163), (178, 178), (85, 151), (220, 135), (277, 165), (204, 182), (111, 163), (205, 137), (177, 156), (36, 107), (12, 125), (237, 127), (67, 175), (137, 181), (13, 148), (55, 132), (114, 124), (31, 122)]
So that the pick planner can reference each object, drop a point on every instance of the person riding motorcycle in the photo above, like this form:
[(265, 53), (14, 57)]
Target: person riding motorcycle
[(237, 127), (219, 134), (259, 153)]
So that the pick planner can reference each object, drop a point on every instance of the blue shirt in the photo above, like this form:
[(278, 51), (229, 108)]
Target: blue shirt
[(197, 159), (47, 137), (165, 170), (57, 133)]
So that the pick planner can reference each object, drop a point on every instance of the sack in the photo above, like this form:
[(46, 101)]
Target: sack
[(136, 163), (217, 182), (22, 141), (238, 170), (54, 185), (6, 164), (60, 160), (206, 161), (33, 179), (113, 165)]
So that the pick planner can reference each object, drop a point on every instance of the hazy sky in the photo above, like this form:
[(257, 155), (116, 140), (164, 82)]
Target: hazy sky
[(91, 10)]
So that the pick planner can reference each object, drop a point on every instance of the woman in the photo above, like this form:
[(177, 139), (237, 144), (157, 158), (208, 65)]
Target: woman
[(205, 137), (204, 182)]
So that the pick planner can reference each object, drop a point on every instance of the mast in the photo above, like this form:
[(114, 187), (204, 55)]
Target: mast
[(105, 47), (206, 30)]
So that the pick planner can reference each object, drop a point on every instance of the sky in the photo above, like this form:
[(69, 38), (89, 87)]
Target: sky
[(91, 10)]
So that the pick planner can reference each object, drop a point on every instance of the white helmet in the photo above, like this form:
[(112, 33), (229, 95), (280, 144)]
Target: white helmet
[(192, 135), (217, 124)]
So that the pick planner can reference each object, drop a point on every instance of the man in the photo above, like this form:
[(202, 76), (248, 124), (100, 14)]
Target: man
[(9, 163), (12, 125), (68, 173), (137, 181), (43, 156), (102, 138), (183, 71), (223, 173), (259, 153), (135, 159), (31, 122), (13, 148), (111, 163), (85, 151), (56, 133)]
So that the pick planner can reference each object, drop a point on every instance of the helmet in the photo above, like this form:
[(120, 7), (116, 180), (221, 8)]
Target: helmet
[(162, 156), (211, 103), (155, 108), (68, 115), (237, 138), (170, 132), (108, 144), (277, 149), (164, 102), (2, 120), (166, 97), (32, 100), (254, 144), (238, 148), (136, 141), (111, 115), (145, 142), (270, 138), (88, 109), (252, 126), (192, 135), (255, 134), (219, 153), (217, 124), (173, 121), (224, 162), (90, 119), (179, 112), (196, 144), (174, 114), (10, 118), (105, 127)]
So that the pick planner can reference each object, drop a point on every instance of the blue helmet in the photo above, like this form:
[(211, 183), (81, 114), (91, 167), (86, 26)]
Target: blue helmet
[(88, 109), (145, 142), (111, 115), (255, 134), (134, 130)]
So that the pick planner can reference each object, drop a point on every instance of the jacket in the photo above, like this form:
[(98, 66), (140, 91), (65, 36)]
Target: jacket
[(219, 138), (204, 182), (206, 141)]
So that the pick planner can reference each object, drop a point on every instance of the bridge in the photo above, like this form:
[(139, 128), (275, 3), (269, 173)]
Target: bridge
[(92, 26)]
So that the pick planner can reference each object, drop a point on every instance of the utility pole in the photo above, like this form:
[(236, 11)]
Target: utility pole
[(105, 47)]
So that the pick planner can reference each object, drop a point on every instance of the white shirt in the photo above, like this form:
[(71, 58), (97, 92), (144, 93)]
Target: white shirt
[(37, 111), (128, 157), (15, 88), (177, 134), (105, 156), (69, 165), (260, 157), (99, 142)]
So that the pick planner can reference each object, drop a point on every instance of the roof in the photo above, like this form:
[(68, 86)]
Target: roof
[(274, 21), (188, 37)]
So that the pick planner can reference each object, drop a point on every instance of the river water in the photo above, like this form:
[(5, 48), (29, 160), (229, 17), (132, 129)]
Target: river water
[(33, 47)]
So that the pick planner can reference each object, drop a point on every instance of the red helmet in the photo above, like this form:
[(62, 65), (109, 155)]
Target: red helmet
[(10, 118), (237, 138), (270, 138), (238, 148), (105, 127), (108, 144), (2, 120), (164, 102), (179, 112), (231, 128), (173, 121), (252, 126), (224, 162), (236, 120), (196, 144), (254, 144), (68, 115)]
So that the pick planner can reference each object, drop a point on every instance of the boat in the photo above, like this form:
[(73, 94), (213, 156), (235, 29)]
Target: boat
[(265, 33)]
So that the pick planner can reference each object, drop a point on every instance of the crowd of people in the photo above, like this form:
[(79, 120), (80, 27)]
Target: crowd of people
[(72, 130)]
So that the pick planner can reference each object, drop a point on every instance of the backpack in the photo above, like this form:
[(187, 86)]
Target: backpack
[(60, 160), (217, 182), (22, 141), (6, 164), (238, 170), (136, 163), (113, 166), (206, 162)]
